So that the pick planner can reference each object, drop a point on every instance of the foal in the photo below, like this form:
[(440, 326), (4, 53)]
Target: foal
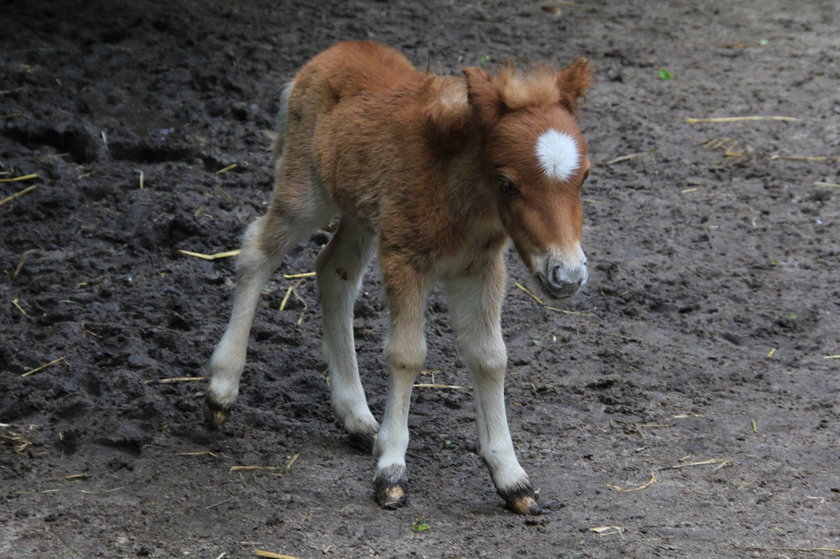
[(437, 174)]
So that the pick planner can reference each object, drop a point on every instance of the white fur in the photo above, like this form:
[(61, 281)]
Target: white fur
[(558, 154)]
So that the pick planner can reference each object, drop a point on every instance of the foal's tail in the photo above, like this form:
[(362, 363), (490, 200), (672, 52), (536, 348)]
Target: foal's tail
[(282, 122)]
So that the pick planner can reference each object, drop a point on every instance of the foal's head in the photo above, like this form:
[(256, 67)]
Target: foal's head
[(538, 162)]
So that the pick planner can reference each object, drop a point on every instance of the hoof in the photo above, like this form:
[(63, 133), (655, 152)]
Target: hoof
[(522, 500), (391, 497), (390, 494), (362, 441), (214, 414)]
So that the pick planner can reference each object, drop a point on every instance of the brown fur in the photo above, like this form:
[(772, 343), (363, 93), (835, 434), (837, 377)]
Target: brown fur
[(404, 153), (413, 161)]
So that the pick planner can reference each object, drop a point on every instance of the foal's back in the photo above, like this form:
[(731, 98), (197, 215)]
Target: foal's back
[(352, 115)]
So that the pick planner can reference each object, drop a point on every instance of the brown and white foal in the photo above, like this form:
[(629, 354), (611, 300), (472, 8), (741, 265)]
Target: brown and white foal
[(437, 174)]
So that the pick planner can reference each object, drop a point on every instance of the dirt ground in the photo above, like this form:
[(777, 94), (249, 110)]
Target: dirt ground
[(684, 405)]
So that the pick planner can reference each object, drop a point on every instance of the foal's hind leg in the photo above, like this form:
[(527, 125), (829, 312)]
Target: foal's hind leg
[(294, 213), (340, 268), (475, 305)]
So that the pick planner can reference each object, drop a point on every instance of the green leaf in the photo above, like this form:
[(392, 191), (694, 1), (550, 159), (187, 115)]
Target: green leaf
[(665, 75), (419, 525), (792, 316), (764, 42), (486, 58)]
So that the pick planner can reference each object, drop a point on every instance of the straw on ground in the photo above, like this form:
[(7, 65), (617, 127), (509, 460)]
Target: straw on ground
[(228, 168), (175, 379), (215, 256), (44, 366), (16, 303), (720, 462), (690, 120), (30, 176), (8, 199), (641, 487), (272, 555)]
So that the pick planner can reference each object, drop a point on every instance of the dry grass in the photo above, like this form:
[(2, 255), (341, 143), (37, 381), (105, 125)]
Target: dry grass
[(174, 380), (16, 441), (724, 119), (215, 256), (8, 199), (272, 555), (641, 487), (44, 366), (28, 177)]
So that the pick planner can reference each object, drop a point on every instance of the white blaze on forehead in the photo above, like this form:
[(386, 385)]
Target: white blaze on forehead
[(558, 154)]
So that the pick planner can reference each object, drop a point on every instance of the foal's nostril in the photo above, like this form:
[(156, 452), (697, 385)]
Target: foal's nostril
[(555, 276), (562, 276)]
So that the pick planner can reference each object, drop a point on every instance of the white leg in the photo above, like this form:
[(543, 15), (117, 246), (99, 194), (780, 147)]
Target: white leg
[(267, 240), (405, 351), (340, 268), (475, 305)]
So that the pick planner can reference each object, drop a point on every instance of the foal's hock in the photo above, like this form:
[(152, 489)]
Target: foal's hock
[(437, 174)]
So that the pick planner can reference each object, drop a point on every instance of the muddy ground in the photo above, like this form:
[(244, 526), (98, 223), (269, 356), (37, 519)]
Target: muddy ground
[(683, 406)]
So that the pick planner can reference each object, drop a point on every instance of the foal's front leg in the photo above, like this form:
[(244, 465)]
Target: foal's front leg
[(475, 304), (405, 351)]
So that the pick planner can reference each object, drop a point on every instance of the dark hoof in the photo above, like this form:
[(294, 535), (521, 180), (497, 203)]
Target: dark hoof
[(522, 500), (214, 414), (362, 441), (390, 494), (391, 497)]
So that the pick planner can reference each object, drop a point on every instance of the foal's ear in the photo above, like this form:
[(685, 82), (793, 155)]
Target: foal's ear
[(484, 95), (573, 81)]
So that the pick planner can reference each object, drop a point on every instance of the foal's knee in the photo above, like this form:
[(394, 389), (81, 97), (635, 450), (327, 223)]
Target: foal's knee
[(405, 355), (488, 361)]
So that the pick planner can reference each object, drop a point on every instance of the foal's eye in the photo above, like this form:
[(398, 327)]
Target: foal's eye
[(507, 187)]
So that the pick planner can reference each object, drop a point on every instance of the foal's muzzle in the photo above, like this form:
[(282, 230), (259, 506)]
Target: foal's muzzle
[(561, 280)]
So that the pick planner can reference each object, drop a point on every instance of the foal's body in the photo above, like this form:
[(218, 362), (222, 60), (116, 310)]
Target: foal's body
[(414, 163)]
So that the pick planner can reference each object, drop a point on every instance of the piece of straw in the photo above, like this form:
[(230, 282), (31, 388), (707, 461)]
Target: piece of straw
[(175, 379), (272, 555), (215, 256), (721, 462), (20, 264), (623, 158), (76, 476), (30, 176), (641, 487), (292, 461), (228, 168), (198, 453), (803, 158), (252, 468), (528, 292), (299, 276), (16, 303), (607, 530), (690, 120), (8, 199), (44, 366), (439, 386)]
